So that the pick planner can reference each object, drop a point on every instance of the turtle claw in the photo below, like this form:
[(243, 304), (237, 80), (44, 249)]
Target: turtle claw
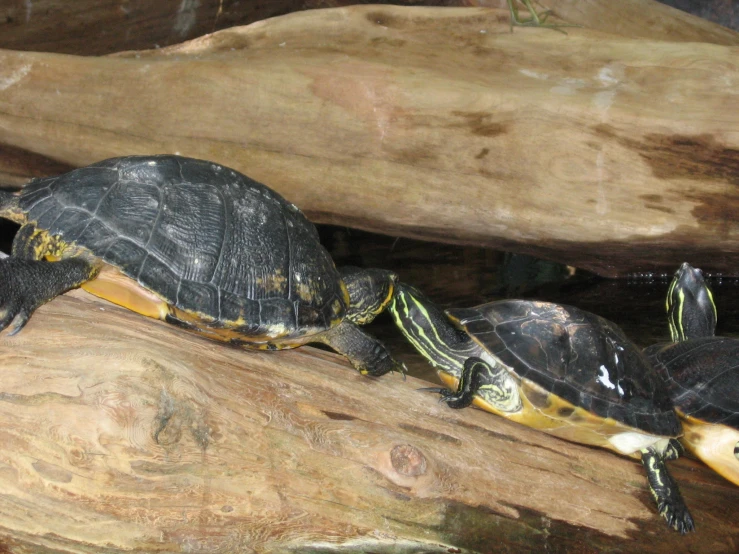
[(438, 390), (453, 399), (27, 284), (677, 516), (17, 302), (20, 322), (7, 319), (17, 315), (402, 369)]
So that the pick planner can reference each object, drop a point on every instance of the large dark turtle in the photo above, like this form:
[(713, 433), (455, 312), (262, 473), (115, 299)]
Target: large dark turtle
[(193, 243), (701, 372), (552, 367)]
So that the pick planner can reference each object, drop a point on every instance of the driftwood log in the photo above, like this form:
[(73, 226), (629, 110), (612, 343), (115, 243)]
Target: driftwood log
[(97, 27), (123, 434), (604, 152)]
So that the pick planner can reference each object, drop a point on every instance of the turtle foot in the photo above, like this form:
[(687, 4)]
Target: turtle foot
[(18, 299), (27, 284), (677, 516), (387, 365), (456, 400), (452, 398), (367, 354)]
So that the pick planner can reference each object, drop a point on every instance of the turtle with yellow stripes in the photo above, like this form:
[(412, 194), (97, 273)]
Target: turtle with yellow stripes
[(556, 368), (701, 373)]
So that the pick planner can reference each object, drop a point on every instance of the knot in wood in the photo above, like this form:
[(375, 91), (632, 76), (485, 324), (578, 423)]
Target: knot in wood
[(408, 460)]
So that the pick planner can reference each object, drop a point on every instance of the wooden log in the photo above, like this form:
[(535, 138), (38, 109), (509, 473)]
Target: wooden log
[(97, 27), (606, 153), (125, 434)]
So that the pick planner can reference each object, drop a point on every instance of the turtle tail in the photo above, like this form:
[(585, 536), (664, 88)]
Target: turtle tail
[(9, 207)]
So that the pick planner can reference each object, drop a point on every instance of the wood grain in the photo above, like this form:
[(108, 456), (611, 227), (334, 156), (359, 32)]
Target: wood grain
[(604, 152), (121, 433)]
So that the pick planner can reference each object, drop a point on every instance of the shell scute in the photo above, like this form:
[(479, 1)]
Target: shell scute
[(275, 313), (97, 234), (129, 208), (703, 377), (206, 239), (577, 356), (125, 254), (156, 275)]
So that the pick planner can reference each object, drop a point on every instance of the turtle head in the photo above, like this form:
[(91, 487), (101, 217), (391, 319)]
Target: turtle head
[(691, 312), (370, 291)]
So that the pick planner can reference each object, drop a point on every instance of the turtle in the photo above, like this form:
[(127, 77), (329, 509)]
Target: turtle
[(552, 367), (701, 373), (193, 243)]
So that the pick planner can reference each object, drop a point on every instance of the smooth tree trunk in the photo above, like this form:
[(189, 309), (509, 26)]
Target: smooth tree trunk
[(124, 434), (601, 151)]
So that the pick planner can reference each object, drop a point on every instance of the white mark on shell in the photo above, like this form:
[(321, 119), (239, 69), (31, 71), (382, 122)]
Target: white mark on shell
[(603, 378)]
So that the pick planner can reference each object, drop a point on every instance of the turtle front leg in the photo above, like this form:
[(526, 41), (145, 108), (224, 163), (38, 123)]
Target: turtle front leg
[(493, 384), (665, 491), (367, 354), (27, 284)]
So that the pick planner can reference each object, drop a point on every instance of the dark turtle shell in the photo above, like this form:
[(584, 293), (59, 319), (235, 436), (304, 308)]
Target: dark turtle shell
[(576, 355), (702, 376), (203, 237)]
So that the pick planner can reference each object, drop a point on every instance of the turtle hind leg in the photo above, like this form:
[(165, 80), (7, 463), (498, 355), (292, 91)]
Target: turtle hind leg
[(27, 284), (665, 491), (472, 378), (367, 354)]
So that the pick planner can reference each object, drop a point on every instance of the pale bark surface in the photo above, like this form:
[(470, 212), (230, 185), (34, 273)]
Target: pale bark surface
[(124, 434), (609, 153)]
